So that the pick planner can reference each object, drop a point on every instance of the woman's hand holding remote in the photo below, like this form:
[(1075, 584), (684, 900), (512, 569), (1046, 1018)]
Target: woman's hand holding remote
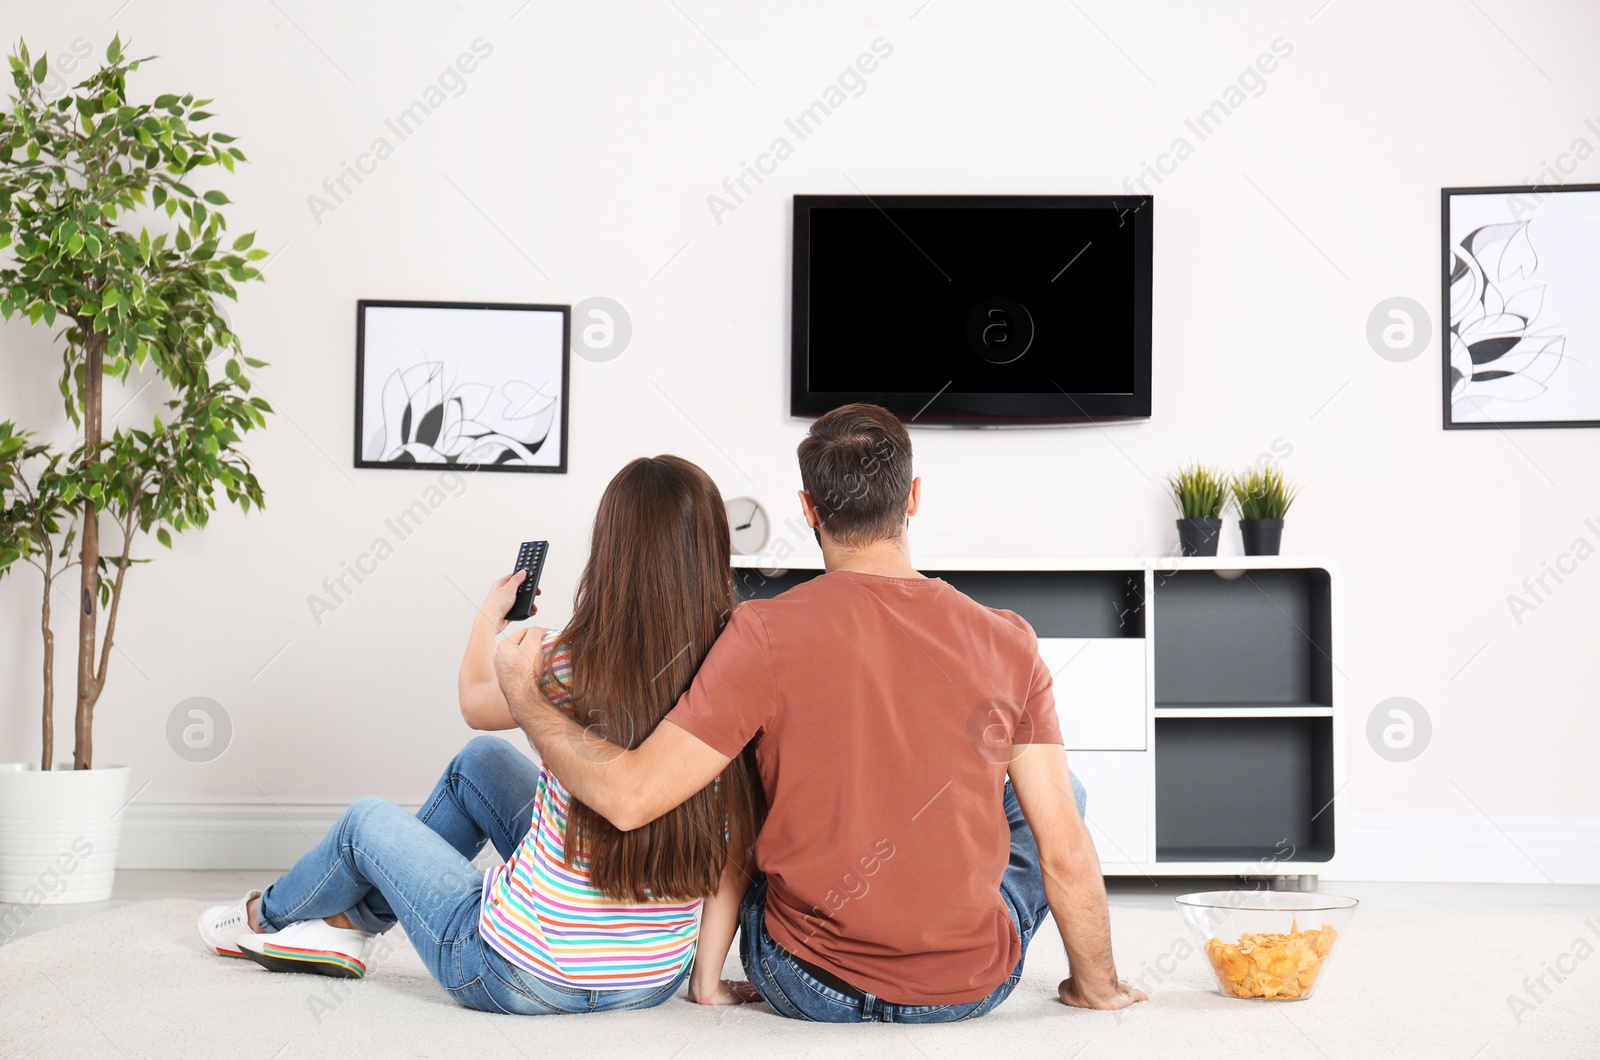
[(482, 705), (502, 594)]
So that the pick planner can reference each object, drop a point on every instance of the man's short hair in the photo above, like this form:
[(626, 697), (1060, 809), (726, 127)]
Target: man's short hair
[(855, 463)]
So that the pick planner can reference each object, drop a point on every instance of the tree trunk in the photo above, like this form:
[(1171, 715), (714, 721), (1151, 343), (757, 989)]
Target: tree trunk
[(89, 566), (47, 757)]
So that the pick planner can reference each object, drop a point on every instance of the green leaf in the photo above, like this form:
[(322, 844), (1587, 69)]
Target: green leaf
[(216, 198), (41, 67), (165, 100), (244, 241), (164, 537), (114, 50)]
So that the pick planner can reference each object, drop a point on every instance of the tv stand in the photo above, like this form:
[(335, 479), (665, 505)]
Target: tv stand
[(1201, 700)]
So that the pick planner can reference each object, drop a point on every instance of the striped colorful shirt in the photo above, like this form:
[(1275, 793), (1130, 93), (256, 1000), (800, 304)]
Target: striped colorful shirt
[(546, 918)]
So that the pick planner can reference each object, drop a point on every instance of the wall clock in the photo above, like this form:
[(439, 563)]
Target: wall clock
[(748, 525)]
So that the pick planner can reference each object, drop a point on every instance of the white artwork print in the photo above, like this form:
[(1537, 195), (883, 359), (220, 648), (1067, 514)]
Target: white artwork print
[(1524, 336), (462, 386)]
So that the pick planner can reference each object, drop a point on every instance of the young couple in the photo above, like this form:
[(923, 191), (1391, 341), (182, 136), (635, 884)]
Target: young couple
[(831, 781)]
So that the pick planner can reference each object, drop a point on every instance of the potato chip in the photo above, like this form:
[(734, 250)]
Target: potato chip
[(1271, 966)]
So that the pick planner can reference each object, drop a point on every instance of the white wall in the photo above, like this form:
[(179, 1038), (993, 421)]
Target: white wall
[(588, 142)]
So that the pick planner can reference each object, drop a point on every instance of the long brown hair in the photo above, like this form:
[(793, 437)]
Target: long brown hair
[(657, 591)]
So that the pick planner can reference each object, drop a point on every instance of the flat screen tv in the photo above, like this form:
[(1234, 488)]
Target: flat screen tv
[(973, 310)]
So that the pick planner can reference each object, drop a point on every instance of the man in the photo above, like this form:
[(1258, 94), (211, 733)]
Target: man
[(902, 875)]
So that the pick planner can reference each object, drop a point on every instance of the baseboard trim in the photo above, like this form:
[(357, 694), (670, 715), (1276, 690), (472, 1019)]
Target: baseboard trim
[(1442, 848), (1461, 848), (222, 835)]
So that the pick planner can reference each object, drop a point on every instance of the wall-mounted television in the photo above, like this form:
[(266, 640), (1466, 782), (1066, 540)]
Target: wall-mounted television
[(973, 310)]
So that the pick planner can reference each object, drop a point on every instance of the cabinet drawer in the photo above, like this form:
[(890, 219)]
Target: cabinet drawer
[(1118, 810), (1100, 690)]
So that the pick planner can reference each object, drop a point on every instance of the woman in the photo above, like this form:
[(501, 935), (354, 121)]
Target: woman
[(581, 917)]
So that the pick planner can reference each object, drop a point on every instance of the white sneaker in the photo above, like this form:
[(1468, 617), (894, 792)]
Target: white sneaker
[(313, 946), (222, 926)]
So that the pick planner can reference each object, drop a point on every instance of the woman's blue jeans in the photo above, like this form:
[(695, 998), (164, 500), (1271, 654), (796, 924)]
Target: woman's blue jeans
[(380, 865), (794, 992)]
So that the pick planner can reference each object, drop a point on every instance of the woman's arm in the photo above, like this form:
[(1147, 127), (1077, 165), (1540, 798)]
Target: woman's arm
[(482, 704), (718, 921)]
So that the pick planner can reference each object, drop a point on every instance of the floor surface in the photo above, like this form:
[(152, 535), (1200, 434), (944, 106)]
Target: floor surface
[(1464, 972)]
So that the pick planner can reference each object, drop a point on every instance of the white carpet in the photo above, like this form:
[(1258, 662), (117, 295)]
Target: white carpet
[(136, 982)]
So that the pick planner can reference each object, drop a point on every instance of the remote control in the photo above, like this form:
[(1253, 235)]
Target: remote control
[(530, 558)]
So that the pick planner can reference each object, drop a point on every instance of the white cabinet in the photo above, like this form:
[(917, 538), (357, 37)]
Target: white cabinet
[(1100, 690), (1118, 808)]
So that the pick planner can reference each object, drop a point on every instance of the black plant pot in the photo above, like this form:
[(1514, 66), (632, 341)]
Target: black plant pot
[(1262, 537), (1198, 537)]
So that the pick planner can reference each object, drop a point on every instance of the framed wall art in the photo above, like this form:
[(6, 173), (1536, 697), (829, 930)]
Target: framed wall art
[(1519, 288), (465, 385)]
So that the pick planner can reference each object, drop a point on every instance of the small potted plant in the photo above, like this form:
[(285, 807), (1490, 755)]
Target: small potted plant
[(1262, 497), (1200, 493)]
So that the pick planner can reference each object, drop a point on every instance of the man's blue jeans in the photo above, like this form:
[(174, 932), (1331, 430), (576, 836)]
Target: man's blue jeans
[(794, 992), (380, 865)]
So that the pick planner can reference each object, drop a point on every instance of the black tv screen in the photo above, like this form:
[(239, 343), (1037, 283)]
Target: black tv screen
[(973, 309)]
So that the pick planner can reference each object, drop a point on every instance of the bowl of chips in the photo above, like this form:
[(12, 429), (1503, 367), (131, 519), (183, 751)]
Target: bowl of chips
[(1267, 945)]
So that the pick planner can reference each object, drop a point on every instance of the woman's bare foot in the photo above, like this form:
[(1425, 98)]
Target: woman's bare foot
[(339, 920)]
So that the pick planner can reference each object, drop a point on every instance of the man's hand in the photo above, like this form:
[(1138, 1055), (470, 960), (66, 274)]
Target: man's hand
[(723, 992), (1077, 995), (519, 663), (502, 594)]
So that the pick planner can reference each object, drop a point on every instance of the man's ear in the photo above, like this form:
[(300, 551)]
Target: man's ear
[(813, 520), (915, 500)]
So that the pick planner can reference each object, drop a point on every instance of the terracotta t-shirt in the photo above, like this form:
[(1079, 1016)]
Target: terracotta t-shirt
[(883, 711)]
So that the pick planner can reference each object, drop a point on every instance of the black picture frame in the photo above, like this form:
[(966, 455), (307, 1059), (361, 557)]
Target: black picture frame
[(558, 426), (979, 410), (1451, 373)]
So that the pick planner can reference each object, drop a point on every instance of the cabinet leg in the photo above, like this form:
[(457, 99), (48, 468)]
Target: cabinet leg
[(1308, 882), (1285, 883)]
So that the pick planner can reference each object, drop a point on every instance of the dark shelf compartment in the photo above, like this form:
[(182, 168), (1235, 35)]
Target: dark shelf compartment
[(1055, 603), (1260, 706), (1244, 789), (752, 584), (1262, 638)]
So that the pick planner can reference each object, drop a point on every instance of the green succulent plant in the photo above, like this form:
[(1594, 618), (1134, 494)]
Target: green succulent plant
[(1262, 494), (1200, 491)]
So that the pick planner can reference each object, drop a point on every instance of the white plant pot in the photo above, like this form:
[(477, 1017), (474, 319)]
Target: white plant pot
[(59, 831)]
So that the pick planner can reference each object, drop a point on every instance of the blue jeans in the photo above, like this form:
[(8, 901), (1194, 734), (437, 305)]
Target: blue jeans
[(380, 865), (794, 992)]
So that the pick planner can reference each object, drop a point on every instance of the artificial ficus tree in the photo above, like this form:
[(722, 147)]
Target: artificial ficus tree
[(83, 178)]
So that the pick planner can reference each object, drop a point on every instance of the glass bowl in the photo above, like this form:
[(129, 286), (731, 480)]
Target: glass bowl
[(1267, 945)]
